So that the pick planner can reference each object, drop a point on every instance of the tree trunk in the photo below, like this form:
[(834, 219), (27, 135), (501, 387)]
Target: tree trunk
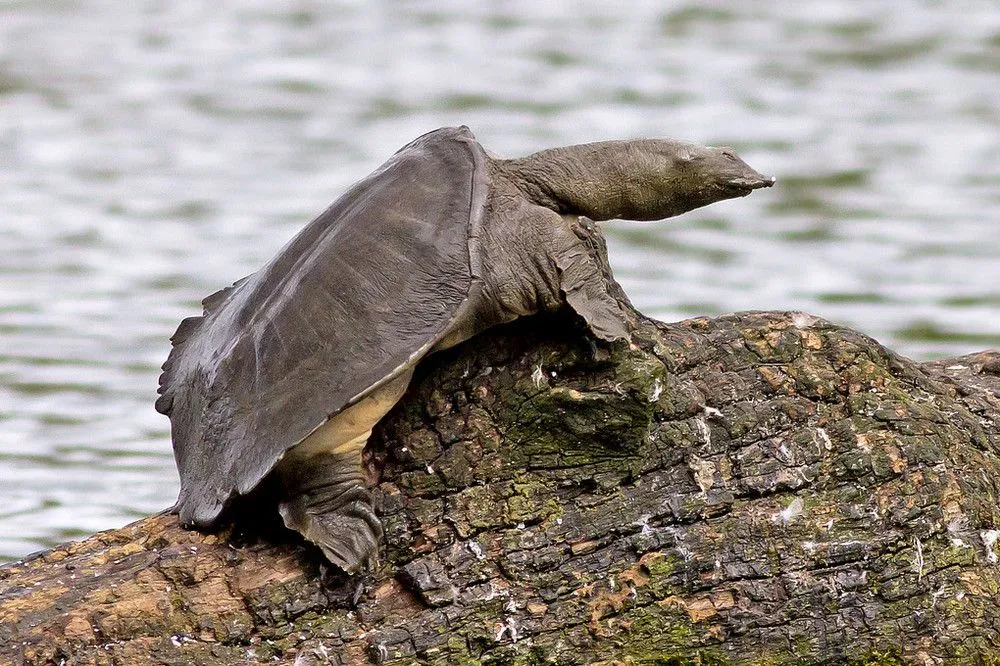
[(758, 488)]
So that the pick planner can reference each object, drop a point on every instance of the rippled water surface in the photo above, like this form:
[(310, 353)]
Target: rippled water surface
[(151, 152)]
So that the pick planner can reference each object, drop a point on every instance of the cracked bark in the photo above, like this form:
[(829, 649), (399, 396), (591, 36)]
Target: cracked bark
[(757, 488)]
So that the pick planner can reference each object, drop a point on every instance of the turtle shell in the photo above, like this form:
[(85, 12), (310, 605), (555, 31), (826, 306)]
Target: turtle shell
[(362, 292)]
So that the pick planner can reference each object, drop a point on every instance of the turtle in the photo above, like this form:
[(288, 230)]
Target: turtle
[(284, 374)]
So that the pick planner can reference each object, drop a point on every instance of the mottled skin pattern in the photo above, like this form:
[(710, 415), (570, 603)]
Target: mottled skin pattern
[(286, 371)]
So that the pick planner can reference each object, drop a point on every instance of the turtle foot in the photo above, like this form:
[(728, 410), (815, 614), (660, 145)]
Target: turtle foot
[(332, 508), (348, 535)]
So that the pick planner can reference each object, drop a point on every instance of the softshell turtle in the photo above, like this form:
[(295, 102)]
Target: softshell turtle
[(288, 370)]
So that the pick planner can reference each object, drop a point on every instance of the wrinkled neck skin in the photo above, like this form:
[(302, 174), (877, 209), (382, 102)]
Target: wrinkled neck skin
[(639, 179)]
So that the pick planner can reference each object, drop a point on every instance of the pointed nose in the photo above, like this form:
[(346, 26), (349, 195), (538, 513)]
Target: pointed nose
[(754, 180), (748, 176)]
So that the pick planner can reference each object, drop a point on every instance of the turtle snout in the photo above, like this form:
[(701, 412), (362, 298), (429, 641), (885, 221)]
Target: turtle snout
[(750, 180), (742, 176), (760, 180)]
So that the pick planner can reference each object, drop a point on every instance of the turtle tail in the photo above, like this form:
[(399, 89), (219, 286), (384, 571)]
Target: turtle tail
[(327, 502)]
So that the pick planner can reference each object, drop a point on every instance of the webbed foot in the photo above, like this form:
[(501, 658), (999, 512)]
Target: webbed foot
[(328, 503)]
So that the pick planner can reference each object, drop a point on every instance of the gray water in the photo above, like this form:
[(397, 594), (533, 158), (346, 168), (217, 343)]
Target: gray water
[(152, 152)]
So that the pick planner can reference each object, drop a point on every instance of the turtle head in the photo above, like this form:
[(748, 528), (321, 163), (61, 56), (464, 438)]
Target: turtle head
[(693, 176), (638, 179)]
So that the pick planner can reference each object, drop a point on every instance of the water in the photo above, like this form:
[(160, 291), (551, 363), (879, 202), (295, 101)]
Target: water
[(152, 152)]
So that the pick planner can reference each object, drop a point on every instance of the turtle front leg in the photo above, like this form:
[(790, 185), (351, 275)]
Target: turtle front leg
[(327, 501), (577, 248)]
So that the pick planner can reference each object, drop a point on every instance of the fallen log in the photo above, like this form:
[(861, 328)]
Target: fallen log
[(757, 488)]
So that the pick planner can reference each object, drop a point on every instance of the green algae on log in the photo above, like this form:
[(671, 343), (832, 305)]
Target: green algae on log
[(757, 488)]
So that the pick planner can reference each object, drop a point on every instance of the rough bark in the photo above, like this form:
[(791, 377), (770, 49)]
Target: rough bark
[(758, 488)]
